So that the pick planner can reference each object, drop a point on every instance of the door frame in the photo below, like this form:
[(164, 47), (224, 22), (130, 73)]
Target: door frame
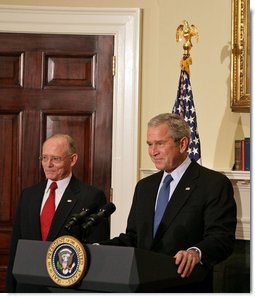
[(124, 25)]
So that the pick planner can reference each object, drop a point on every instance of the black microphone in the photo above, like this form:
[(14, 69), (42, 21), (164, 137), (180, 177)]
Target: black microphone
[(80, 217), (95, 218)]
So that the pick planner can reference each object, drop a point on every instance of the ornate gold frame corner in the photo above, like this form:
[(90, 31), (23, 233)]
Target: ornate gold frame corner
[(240, 56)]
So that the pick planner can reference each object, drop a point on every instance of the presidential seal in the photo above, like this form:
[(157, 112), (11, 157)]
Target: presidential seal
[(66, 261)]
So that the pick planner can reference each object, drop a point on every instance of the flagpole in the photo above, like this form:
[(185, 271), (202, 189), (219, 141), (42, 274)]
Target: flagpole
[(184, 103)]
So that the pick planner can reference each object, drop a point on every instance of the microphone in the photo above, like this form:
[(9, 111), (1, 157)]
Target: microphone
[(80, 217), (95, 218)]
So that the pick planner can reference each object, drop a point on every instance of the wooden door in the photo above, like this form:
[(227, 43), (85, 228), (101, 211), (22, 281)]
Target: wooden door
[(52, 84)]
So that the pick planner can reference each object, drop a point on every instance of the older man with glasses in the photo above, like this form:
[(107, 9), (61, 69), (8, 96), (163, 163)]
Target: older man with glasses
[(44, 209)]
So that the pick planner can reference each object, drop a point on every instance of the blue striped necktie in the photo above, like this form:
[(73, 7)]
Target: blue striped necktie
[(162, 202)]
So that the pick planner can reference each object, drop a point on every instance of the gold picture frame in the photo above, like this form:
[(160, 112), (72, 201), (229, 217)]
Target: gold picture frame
[(240, 56)]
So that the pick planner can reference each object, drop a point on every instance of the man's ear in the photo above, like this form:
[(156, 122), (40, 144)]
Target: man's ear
[(184, 144), (74, 158)]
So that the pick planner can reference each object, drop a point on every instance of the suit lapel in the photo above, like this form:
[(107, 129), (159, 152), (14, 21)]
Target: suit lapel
[(65, 207), (180, 196), (150, 198), (35, 209)]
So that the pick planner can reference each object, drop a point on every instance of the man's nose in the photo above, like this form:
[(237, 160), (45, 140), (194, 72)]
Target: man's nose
[(154, 149), (49, 162)]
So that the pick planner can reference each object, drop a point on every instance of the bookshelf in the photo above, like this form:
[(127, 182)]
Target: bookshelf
[(241, 185)]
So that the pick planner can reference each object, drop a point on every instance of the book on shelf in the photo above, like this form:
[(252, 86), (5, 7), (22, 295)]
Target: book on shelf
[(242, 155), (238, 155), (247, 149)]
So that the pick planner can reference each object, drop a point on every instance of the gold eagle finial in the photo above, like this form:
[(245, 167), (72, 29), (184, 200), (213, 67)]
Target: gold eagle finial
[(186, 32)]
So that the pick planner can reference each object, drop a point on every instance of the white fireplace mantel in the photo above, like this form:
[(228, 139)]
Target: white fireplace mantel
[(241, 184)]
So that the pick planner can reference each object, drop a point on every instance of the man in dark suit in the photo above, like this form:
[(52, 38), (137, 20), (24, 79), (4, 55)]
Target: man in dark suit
[(71, 197), (199, 220)]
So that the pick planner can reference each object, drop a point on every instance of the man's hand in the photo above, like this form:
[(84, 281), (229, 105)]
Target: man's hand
[(187, 260)]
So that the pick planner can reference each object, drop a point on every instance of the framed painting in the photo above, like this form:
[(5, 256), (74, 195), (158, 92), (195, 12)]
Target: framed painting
[(240, 56)]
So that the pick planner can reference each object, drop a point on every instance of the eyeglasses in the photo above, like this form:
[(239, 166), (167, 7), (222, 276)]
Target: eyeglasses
[(54, 159)]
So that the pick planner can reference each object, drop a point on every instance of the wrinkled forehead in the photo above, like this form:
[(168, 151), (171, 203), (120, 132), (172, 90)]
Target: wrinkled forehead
[(55, 146)]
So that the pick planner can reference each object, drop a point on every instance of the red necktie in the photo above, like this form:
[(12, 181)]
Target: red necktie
[(48, 211)]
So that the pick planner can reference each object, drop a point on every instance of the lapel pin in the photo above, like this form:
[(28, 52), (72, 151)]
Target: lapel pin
[(187, 188), (69, 201)]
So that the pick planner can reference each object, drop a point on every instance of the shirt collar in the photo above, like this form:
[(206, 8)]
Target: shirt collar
[(61, 183), (180, 170)]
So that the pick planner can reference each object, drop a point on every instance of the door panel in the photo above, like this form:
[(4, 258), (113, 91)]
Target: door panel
[(52, 84), (81, 128)]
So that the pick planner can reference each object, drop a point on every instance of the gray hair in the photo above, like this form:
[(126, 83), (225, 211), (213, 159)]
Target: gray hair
[(178, 127), (71, 147)]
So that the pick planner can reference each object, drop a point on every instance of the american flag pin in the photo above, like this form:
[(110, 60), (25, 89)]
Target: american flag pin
[(69, 201), (187, 188)]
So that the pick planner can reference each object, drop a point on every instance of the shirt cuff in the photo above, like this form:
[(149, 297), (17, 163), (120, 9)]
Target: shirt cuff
[(197, 250)]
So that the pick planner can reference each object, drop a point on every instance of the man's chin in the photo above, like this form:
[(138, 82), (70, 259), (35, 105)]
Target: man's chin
[(159, 166), (51, 177)]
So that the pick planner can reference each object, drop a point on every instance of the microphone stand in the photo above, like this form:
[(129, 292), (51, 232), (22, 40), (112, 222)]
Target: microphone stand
[(85, 228), (95, 218), (84, 236)]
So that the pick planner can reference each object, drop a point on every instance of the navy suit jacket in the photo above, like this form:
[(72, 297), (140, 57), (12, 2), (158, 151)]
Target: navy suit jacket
[(201, 213), (77, 196)]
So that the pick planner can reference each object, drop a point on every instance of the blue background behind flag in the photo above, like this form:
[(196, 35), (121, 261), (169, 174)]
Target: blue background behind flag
[(184, 106)]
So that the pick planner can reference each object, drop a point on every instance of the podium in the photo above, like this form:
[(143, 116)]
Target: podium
[(110, 269)]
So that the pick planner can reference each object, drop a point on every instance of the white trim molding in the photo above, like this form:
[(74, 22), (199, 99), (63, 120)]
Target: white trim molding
[(124, 25)]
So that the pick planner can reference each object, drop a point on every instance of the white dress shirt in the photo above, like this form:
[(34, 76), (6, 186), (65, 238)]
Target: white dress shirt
[(62, 185), (176, 175)]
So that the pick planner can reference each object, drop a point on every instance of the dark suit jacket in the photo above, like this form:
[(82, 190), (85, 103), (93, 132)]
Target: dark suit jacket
[(201, 213), (77, 195)]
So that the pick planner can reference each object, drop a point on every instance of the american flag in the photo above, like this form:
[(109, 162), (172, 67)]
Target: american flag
[(184, 106)]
